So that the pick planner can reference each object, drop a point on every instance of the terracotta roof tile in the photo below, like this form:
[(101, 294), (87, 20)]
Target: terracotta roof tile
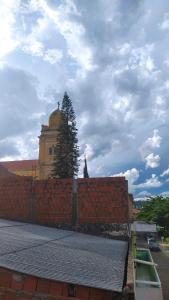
[(19, 165), (4, 172)]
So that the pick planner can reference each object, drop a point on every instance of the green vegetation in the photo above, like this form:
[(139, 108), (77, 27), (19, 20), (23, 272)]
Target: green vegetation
[(156, 209), (167, 240), (66, 159)]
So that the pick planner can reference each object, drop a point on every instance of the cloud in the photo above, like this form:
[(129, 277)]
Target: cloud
[(165, 173), (53, 56), (151, 143), (131, 175), (165, 23), (7, 22), (144, 194), (155, 141), (152, 161), (8, 149), (165, 194), (72, 32), (150, 183), (21, 111)]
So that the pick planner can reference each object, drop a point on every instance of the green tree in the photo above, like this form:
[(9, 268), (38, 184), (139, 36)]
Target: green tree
[(156, 209), (66, 163)]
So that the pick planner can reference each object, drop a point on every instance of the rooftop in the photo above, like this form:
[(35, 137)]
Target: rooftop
[(62, 255), (141, 226), (19, 165)]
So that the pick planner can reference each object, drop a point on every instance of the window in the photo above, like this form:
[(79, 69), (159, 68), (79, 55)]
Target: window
[(54, 150), (50, 151), (71, 290)]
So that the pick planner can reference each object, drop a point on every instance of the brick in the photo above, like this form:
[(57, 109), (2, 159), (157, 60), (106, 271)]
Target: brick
[(9, 296), (30, 284), (56, 288), (17, 281), (5, 279), (96, 294), (43, 286), (82, 292)]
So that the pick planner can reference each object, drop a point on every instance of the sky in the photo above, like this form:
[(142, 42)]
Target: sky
[(112, 58)]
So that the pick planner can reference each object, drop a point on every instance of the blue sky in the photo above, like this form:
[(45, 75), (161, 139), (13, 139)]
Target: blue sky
[(112, 59)]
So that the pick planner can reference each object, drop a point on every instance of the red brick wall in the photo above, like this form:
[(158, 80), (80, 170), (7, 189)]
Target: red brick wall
[(102, 200), (53, 201), (131, 206), (15, 195), (17, 286), (99, 200)]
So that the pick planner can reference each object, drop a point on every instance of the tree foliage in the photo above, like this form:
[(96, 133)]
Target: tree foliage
[(66, 159), (156, 209)]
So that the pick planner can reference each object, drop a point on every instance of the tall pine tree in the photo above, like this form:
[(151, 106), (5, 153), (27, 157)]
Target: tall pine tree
[(67, 151)]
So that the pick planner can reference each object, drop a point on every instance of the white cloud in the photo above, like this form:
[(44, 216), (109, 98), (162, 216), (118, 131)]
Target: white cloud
[(144, 194), (146, 148), (142, 57), (33, 47), (152, 161), (131, 175), (152, 182), (89, 151), (7, 20), (141, 198), (72, 32), (166, 172), (165, 194), (53, 56), (155, 140), (165, 23)]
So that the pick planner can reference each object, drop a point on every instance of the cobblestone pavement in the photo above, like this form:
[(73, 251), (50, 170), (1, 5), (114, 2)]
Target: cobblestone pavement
[(162, 259)]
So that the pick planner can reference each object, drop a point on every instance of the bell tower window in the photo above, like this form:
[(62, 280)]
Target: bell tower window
[(52, 150)]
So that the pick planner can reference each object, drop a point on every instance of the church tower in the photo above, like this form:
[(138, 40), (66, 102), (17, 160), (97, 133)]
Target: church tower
[(47, 143)]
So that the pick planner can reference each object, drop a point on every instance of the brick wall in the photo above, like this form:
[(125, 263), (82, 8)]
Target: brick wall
[(17, 286), (102, 200), (15, 195), (131, 205), (98, 200)]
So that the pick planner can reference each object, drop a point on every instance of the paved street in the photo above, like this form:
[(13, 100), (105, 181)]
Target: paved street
[(162, 259)]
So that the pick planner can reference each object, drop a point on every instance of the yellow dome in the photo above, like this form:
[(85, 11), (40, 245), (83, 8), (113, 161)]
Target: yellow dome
[(55, 119)]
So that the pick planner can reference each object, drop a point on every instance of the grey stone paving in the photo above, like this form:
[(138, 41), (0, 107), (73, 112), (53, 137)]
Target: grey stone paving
[(62, 255)]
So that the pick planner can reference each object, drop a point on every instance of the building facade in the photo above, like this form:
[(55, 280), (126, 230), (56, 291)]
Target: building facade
[(40, 168), (47, 144)]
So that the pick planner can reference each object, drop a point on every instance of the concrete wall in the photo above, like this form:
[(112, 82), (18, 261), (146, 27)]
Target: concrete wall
[(98, 200)]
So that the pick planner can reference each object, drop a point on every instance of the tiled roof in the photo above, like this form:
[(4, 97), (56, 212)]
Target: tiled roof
[(19, 165), (62, 255), (4, 172)]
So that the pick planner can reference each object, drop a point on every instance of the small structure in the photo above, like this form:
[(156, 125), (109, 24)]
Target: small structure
[(37, 261), (142, 228), (147, 283)]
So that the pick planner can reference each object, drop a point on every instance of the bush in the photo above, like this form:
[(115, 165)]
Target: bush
[(167, 240)]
